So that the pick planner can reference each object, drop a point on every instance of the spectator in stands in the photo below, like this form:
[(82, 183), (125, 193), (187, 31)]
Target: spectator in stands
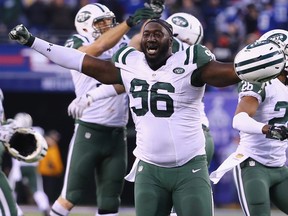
[(51, 166)]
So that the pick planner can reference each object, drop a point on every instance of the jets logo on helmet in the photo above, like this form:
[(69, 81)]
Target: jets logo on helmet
[(180, 21), (186, 27), (83, 16), (279, 36), (259, 61), (87, 17)]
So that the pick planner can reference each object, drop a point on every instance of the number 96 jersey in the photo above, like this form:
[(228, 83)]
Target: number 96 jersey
[(165, 106)]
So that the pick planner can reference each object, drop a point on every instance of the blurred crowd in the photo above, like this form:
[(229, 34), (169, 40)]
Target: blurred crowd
[(228, 24)]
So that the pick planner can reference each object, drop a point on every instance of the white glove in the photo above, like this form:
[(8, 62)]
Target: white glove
[(6, 132), (78, 105), (23, 119)]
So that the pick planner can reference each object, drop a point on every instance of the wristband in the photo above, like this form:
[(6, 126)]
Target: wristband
[(30, 41)]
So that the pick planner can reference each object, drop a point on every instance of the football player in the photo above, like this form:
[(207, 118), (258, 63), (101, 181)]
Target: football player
[(165, 92), (8, 202), (98, 148), (187, 31), (259, 169)]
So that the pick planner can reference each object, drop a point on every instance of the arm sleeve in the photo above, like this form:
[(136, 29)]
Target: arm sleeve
[(63, 56), (244, 123), (103, 91)]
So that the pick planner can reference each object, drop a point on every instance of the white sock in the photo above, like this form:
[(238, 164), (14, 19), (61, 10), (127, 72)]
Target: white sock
[(19, 210), (57, 210), (41, 200)]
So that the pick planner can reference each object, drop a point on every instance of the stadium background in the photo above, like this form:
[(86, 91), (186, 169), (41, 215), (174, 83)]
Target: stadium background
[(34, 85)]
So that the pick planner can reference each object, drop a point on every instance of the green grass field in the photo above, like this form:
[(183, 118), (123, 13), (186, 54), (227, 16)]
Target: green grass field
[(127, 211)]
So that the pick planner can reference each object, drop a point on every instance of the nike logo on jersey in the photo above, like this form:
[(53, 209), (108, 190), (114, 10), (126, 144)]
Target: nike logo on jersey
[(195, 170)]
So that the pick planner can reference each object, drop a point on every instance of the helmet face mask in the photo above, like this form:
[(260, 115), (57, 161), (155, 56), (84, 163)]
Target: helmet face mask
[(186, 27), (101, 25), (280, 37), (88, 20)]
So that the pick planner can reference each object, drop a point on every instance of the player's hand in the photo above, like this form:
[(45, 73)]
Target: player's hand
[(277, 132), (139, 15), (78, 105), (6, 132), (21, 34), (156, 5)]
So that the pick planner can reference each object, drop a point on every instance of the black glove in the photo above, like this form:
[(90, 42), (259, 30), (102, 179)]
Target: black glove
[(21, 34), (139, 15), (156, 5), (277, 132)]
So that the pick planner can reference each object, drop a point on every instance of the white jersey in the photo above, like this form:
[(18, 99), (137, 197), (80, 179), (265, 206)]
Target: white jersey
[(112, 111), (179, 45), (165, 106), (273, 110)]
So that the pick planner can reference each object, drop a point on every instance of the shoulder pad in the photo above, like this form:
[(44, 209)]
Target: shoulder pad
[(201, 55), (121, 55), (76, 41), (256, 87)]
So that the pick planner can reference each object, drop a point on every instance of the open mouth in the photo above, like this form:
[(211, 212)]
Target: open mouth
[(152, 49)]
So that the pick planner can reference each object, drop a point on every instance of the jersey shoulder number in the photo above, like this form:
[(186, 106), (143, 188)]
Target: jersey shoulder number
[(201, 55), (258, 88)]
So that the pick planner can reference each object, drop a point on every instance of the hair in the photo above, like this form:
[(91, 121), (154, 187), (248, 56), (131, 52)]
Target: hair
[(163, 23)]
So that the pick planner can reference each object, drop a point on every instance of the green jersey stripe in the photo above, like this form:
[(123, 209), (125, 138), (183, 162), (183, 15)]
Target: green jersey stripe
[(186, 62)]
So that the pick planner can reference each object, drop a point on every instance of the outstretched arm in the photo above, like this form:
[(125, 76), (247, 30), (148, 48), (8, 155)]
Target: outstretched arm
[(110, 38), (219, 74), (106, 41), (103, 71)]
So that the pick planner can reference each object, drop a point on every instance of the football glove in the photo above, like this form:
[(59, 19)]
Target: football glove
[(21, 34), (156, 5), (78, 105), (277, 132), (6, 132), (23, 119), (26, 145), (139, 15)]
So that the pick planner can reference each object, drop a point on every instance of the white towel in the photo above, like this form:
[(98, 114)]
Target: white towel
[(233, 160), (132, 174)]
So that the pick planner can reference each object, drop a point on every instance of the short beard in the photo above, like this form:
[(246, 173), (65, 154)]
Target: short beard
[(161, 56)]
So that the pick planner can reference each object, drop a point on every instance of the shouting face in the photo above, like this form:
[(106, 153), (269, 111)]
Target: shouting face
[(156, 44)]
